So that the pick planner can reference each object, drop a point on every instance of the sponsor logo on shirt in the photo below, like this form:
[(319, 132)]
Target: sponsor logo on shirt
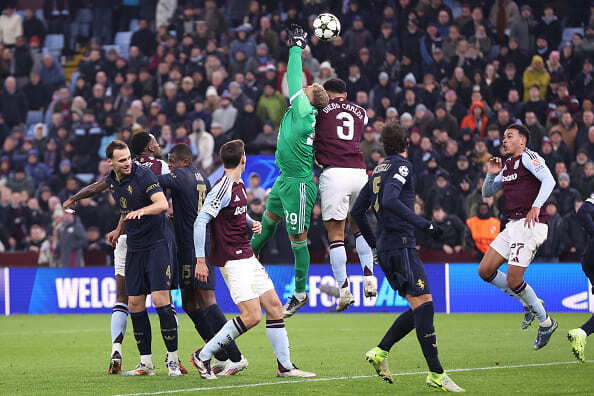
[(511, 177), (240, 210)]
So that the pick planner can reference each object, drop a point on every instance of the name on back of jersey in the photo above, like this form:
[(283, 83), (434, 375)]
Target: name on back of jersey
[(381, 168), (345, 106)]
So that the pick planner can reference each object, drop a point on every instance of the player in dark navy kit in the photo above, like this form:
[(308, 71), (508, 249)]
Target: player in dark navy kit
[(578, 336), (189, 188), (527, 183), (150, 253), (225, 208), (390, 192), (339, 129)]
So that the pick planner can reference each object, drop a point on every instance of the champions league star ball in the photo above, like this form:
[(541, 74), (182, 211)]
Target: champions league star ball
[(326, 27)]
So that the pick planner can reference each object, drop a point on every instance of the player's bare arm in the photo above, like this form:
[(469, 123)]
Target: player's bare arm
[(112, 237), (87, 192), (158, 206)]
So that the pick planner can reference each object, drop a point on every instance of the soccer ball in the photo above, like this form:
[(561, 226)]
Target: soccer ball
[(326, 27)]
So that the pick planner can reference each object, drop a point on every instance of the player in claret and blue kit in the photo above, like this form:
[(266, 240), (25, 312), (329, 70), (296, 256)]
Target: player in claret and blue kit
[(527, 183), (390, 192)]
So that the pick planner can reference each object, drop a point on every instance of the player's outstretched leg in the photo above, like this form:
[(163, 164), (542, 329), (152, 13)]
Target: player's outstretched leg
[(119, 322), (299, 298), (269, 226), (338, 260), (366, 258), (236, 362), (143, 335), (578, 338), (437, 377), (378, 356)]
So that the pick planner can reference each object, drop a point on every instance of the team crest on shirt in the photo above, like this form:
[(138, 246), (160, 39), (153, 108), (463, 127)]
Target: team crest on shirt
[(130, 189), (403, 170), (237, 199), (421, 284), (517, 164), (123, 203)]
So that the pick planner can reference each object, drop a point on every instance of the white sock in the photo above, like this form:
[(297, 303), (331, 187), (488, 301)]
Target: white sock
[(172, 357), (365, 253), (530, 299), (582, 332), (230, 331), (147, 360), (277, 335), (500, 281), (116, 347), (338, 260), (119, 321), (300, 296)]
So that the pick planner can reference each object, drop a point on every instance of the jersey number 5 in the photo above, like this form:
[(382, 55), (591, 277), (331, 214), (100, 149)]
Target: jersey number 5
[(201, 195), (345, 131)]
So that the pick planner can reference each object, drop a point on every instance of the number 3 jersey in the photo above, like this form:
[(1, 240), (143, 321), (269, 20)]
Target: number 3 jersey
[(339, 128), (227, 203)]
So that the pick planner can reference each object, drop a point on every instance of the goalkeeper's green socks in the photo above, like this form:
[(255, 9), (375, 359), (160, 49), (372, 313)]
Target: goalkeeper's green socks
[(301, 253), (268, 229)]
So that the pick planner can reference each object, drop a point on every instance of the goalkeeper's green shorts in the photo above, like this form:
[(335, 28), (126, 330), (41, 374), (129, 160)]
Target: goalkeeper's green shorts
[(293, 198)]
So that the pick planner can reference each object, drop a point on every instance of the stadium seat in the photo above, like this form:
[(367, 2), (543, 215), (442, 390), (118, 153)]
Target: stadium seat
[(21, 13), (122, 41), (34, 117), (39, 14), (133, 25), (54, 44), (73, 78), (568, 34)]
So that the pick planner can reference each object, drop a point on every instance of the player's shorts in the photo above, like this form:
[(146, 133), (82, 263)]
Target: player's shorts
[(588, 264), (150, 270), (339, 189), (518, 244), (186, 267), (119, 255), (246, 279), (404, 270), (293, 199)]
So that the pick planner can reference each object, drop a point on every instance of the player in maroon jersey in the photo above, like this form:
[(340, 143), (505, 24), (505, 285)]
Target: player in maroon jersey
[(225, 208), (145, 149), (339, 128), (527, 183)]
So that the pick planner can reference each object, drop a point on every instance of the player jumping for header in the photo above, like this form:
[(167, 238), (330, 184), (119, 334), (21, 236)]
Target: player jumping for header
[(294, 193), (390, 191), (225, 208), (527, 183), (339, 129)]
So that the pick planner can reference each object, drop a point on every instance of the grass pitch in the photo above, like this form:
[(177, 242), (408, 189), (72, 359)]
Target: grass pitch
[(68, 355)]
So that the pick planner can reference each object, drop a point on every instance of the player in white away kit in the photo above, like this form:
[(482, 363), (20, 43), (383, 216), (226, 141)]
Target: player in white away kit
[(339, 127), (527, 183)]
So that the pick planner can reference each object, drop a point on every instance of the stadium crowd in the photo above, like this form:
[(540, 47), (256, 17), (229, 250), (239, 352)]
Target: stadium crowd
[(203, 72)]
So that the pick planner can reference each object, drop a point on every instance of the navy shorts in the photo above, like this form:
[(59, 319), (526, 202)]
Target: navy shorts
[(404, 270), (150, 270), (186, 264), (588, 265)]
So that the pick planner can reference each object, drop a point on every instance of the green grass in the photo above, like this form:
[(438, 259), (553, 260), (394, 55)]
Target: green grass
[(68, 354)]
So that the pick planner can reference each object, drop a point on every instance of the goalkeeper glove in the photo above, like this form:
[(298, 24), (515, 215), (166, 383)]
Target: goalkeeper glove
[(297, 36)]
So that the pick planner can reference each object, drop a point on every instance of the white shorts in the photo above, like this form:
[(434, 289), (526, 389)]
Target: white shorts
[(119, 255), (339, 189), (518, 244), (246, 279)]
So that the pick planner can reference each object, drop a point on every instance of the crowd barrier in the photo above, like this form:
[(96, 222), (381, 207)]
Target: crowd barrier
[(456, 288)]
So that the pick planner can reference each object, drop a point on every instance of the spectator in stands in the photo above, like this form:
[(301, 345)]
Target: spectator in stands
[(40, 243), (585, 184), (51, 72), (444, 195), (265, 142), (552, 247), (272, 105), (453, 231), (71, 241), (537, 75), (36, 215), (21, 181), (11, 26), (564, 195), (476, 120), (522, 28), (39, 172), (574, 239), (484, 228), (95, 242), (37, 94), (13, 103), (549, 27), (254, 187)]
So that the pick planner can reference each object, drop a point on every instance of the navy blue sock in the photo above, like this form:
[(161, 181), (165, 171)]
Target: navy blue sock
[(201, 324), (168, 327), (403, 325), (217, 320), (423, 315), (588, 327), (142, 331)]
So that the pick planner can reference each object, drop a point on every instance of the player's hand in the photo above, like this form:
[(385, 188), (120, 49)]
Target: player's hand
[(112, 237), (136, 214), (297, 36), (201, 272), (494, 166), (434, 230), (532, 217), (448, 249), (68, 206), (257, 227)]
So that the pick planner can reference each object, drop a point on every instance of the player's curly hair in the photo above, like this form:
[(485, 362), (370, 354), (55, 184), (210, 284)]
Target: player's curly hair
[(394, 137), (335, 85), (139, 142), (320, 97)]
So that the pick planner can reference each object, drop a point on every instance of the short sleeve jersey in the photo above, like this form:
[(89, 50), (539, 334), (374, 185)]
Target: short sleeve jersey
[(134, 192)]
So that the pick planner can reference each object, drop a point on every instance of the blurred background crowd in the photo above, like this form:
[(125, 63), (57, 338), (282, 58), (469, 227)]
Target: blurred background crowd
[(77, 74)]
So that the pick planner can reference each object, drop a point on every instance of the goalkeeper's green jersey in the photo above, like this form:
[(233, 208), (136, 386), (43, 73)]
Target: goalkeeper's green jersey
[(294, 148)]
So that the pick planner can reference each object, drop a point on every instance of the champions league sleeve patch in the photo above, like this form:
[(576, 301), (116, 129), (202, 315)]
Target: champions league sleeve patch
[(403, 170)]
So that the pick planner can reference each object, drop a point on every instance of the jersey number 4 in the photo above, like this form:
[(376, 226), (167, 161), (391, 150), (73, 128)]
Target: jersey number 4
[(346, 129)]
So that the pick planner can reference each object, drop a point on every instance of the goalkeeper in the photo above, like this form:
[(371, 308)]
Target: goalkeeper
[(294, 192)]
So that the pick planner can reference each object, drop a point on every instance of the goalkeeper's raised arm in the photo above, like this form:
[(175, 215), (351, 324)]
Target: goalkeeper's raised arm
[(315, 94)]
